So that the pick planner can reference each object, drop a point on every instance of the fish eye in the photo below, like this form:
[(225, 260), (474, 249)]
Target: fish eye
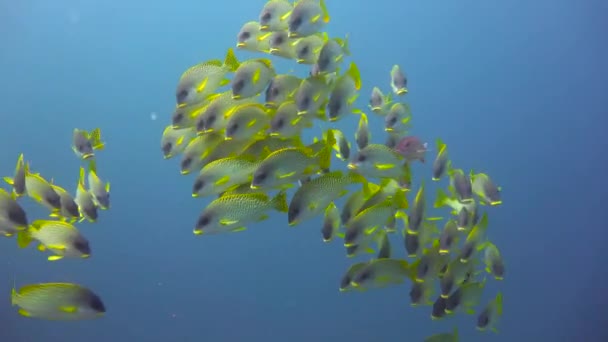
[(53, 199), (167, 148), (186, 163), (453, 300), (483, 320), (260, 177), (423, 268), (392, 121), (198, 185), (351, 235), (345, 282), (365, 275), (82, 246), (181, 96), (178, 118), (232, 129), (279, 123), (245, 35), (266, 17), (416, 293), (200, 125), (295, 23), (323, 63), (238, 86), (306, 102), (17, 215), (96, 304), (334, 108), (203, 221), (275, 91), (361, 157), (467, 250), (72, 209), (303, 51), (278, 40), (293, 212)]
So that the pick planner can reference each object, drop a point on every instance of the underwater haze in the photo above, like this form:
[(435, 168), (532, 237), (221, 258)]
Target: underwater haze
[(516, 89)]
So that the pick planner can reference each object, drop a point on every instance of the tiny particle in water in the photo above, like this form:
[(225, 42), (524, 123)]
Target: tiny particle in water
[(153, 116)]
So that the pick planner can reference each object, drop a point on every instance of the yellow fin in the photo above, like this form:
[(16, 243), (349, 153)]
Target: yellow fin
[(384, 166), (286, 175), (222, 180), (25, 313), (68, 309), (41, 248), (55, 257), (226, 222)]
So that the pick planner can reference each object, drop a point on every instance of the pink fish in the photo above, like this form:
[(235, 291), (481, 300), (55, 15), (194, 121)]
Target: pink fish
[(411, 148)]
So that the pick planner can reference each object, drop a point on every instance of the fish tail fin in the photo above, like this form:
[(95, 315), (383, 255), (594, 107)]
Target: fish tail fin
[(440, 199), (231, 61), (93, 166), (24, 238), (326, 17), (345, 47), (95, 138), (357, 178), (14, 294), (81, 177), (279, 202), (405, 181)]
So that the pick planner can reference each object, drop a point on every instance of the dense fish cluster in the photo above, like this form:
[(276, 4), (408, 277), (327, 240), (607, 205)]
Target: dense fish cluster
[(238, 127), (56, 234)]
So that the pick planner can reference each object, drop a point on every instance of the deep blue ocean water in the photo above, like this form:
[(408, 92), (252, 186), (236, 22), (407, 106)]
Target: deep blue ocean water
[(516, 89)]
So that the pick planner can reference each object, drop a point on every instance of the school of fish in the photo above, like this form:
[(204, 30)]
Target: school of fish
[(237, 126), (56, 234)]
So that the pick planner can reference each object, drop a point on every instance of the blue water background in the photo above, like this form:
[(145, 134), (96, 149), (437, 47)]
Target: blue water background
[(516, 88)]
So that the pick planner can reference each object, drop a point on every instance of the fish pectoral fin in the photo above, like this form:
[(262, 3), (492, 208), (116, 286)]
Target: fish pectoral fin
[(25, 313), (371, 230), (202, 85), (227, 222), (56, 247), (238, 229), (55, 257), (222, 180), (384, 166), (224, 82), (68, 309), (263, 217), (286, 175)]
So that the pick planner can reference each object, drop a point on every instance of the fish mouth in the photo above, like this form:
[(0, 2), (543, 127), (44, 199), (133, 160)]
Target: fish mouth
[(292, 35), (185, 172), (300, 61), (274, 51), (302, 112), (388, 129), (197, 232), (351, 166), (264, 27), (240, 44)]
